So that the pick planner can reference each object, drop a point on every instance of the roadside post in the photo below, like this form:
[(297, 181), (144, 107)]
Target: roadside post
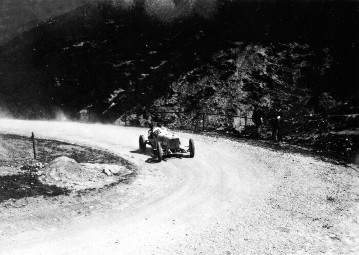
[(33, 143)]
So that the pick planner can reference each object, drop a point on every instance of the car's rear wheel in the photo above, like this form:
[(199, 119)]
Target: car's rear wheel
[(159, 151), (191, 148), (142, 143)]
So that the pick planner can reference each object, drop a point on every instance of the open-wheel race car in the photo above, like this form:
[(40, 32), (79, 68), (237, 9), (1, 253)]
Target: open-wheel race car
[(164, 142)]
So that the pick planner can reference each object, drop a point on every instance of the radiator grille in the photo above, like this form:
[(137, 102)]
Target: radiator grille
[(174, 143)]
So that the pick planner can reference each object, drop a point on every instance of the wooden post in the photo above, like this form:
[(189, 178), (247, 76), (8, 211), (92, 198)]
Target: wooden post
[(33, 143)]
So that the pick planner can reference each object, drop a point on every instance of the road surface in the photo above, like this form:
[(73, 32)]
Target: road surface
[(231, 198)]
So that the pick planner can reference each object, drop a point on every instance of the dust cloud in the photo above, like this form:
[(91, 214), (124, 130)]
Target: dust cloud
[(170, 10), (60, 116), (5, 114)]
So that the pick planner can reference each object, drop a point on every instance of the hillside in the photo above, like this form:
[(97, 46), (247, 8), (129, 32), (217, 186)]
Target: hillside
[(104, 61), (110, 60), (17, 16)]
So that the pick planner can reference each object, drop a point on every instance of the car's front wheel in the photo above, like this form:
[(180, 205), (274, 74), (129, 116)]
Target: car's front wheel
[(191, 148), (142, 143), (159, 151)]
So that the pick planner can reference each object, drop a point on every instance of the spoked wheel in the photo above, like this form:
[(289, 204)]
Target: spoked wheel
[(159, 151), (191, 148), (142, 143)]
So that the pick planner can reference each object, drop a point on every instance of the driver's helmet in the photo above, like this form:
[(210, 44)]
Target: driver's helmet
[(156, 131)]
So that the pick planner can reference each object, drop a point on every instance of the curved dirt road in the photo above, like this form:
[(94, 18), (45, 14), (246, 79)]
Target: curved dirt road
[(232, 198)]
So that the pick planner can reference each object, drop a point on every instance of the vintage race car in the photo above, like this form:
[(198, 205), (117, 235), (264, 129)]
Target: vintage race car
[(164, 142)]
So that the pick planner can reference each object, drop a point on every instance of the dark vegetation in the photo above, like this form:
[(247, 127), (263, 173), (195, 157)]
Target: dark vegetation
[(26, 185), (104, 61)]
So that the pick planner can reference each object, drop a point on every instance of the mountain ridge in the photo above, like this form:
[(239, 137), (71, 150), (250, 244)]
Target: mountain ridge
[(18, 16)]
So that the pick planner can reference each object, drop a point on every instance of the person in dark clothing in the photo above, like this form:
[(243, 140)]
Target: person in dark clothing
[(277, 127), (323, 125), (150, 132), (257, 118)]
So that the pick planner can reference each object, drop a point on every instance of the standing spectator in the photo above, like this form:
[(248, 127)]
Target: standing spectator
[(257, 118), (323, 125), (277, 126)]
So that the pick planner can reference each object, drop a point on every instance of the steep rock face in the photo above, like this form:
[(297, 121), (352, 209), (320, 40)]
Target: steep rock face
[(104, 60)]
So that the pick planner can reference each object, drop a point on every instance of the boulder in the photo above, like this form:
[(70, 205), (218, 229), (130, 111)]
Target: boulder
[(63, 172)]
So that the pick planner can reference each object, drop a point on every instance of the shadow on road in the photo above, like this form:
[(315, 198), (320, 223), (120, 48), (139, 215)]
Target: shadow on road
[(148, 151), (154, 159)]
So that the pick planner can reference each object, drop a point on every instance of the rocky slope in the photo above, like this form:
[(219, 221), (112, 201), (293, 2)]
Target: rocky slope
[(104, 60), (111, 60)]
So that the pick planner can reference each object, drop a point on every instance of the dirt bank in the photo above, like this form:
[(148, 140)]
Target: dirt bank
[(55, 187)]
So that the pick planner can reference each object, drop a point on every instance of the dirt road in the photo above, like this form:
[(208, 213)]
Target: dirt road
[(232, 198)]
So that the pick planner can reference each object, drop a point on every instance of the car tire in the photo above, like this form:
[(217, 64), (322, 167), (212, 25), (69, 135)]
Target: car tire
[(191, 148), (159, 151), (142, 143)]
